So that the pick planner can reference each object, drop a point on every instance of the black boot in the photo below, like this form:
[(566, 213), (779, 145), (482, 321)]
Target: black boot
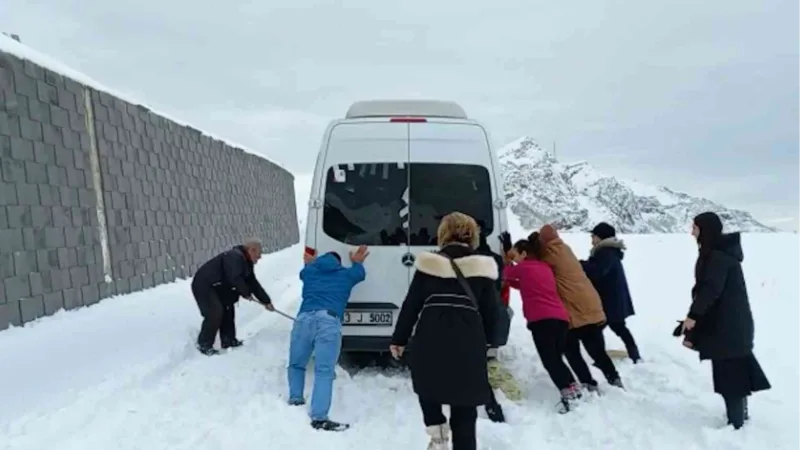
[(495, 412), (208, 351), (232, 343), (736, 409), (329, 425)]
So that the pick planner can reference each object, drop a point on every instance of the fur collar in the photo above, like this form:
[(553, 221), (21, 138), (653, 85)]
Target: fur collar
[(612, 242), (472, 266)]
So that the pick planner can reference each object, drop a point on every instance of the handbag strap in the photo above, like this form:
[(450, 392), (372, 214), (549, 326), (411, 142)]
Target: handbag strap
[(462, 280)]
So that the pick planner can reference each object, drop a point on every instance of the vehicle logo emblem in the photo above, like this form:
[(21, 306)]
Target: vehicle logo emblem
[(408, 259)]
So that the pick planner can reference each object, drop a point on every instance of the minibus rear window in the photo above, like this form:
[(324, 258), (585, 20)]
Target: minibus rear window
[(368, 203)]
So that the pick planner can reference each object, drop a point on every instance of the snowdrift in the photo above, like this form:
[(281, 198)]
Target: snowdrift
[(123, 373)]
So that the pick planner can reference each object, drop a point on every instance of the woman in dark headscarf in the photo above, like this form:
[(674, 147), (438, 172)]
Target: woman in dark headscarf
[(720, 322)]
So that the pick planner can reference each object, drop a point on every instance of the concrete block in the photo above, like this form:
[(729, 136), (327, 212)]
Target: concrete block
[(65, 157), (39, 111), (8, 194), (13, 170), (58, 116), (37, 283), (61, 216), (31, 308), (46, 260), (17, 287), (136, 283), (35, 173), (11, 240), (67, 100), (106, 289), (30, 130), (53, 302), (19, 216), (28, 194), (56, 280), (24, 262), (21, 149), (90, 294), (69, 196), (53, 237), (48, 195), (73, 236), (122, 286), (6, 265), (72, 299), (10, 315), (9, 125), (79, 275), (56, 176)]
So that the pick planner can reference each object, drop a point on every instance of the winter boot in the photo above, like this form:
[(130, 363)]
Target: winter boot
[(440, 437), (208, 351), (617, 382), (232, 343), (590, 387), (736, 410), (569, 397), (296, 402), (495, 412), (329, 425)]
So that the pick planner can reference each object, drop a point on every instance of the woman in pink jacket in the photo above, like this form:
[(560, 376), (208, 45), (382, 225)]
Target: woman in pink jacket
[(548, 319)]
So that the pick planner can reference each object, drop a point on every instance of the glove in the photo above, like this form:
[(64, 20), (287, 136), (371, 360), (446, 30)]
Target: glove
[(505, 240)]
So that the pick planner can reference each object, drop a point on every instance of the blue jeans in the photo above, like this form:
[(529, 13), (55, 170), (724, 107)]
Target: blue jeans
[(320, 333)]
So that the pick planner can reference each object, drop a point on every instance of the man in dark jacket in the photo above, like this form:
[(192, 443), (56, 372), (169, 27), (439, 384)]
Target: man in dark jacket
[(217, 286), (604, 268)]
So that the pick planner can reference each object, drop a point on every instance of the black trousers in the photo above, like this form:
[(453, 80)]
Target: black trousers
[(550, 338), (462, 422), (595, 344), (621, 330), (218, 316)]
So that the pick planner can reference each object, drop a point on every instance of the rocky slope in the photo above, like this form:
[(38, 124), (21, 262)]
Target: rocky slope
[(575, 197)]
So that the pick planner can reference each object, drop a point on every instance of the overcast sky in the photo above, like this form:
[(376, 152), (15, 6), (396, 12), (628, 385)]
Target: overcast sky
[(700, 96)]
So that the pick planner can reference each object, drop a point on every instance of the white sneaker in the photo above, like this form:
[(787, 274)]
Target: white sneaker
[(440, 437)]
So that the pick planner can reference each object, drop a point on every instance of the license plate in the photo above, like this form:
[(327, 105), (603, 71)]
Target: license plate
[(376, 318)]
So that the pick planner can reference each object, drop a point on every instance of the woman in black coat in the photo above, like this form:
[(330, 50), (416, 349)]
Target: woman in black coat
[(720, 323), (448, 352)]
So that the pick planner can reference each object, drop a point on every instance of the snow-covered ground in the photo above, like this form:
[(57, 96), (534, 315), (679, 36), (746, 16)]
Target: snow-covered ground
[(123, 374)]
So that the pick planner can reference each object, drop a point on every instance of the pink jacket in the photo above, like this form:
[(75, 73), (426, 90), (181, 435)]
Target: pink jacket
[(537, 287)]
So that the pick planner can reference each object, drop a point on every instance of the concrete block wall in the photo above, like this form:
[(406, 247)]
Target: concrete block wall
[(102, 197)]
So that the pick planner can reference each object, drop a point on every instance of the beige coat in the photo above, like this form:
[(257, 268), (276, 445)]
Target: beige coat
[(574, 287)]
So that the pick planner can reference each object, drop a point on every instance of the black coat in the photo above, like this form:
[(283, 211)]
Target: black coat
[(231, 275), (720, 305), (604, 268), (448, 352)]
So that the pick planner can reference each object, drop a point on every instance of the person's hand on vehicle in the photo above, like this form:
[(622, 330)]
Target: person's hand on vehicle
[(308, 258), (360, 254), (505, 240), (397, 351)]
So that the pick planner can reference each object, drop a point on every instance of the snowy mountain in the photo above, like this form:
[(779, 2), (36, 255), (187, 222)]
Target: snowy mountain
[(575, 197)]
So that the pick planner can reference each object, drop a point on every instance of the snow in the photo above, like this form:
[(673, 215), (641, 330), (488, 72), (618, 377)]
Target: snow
[(24, 52), (122, 374)]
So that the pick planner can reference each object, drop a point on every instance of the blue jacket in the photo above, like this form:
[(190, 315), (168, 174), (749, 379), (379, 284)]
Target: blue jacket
[(604, 269), (327, 284)]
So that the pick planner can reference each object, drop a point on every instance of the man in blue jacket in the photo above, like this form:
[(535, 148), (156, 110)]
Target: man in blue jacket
[(604, 268), (318, 330)]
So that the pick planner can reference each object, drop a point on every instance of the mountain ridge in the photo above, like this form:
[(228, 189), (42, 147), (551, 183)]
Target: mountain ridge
[(576, 196)]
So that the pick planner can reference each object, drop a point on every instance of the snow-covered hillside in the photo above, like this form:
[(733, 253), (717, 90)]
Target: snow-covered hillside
[(576, 197), (122, 374)]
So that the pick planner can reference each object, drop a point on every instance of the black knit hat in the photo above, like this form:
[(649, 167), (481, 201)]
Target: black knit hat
[(604, 231)]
